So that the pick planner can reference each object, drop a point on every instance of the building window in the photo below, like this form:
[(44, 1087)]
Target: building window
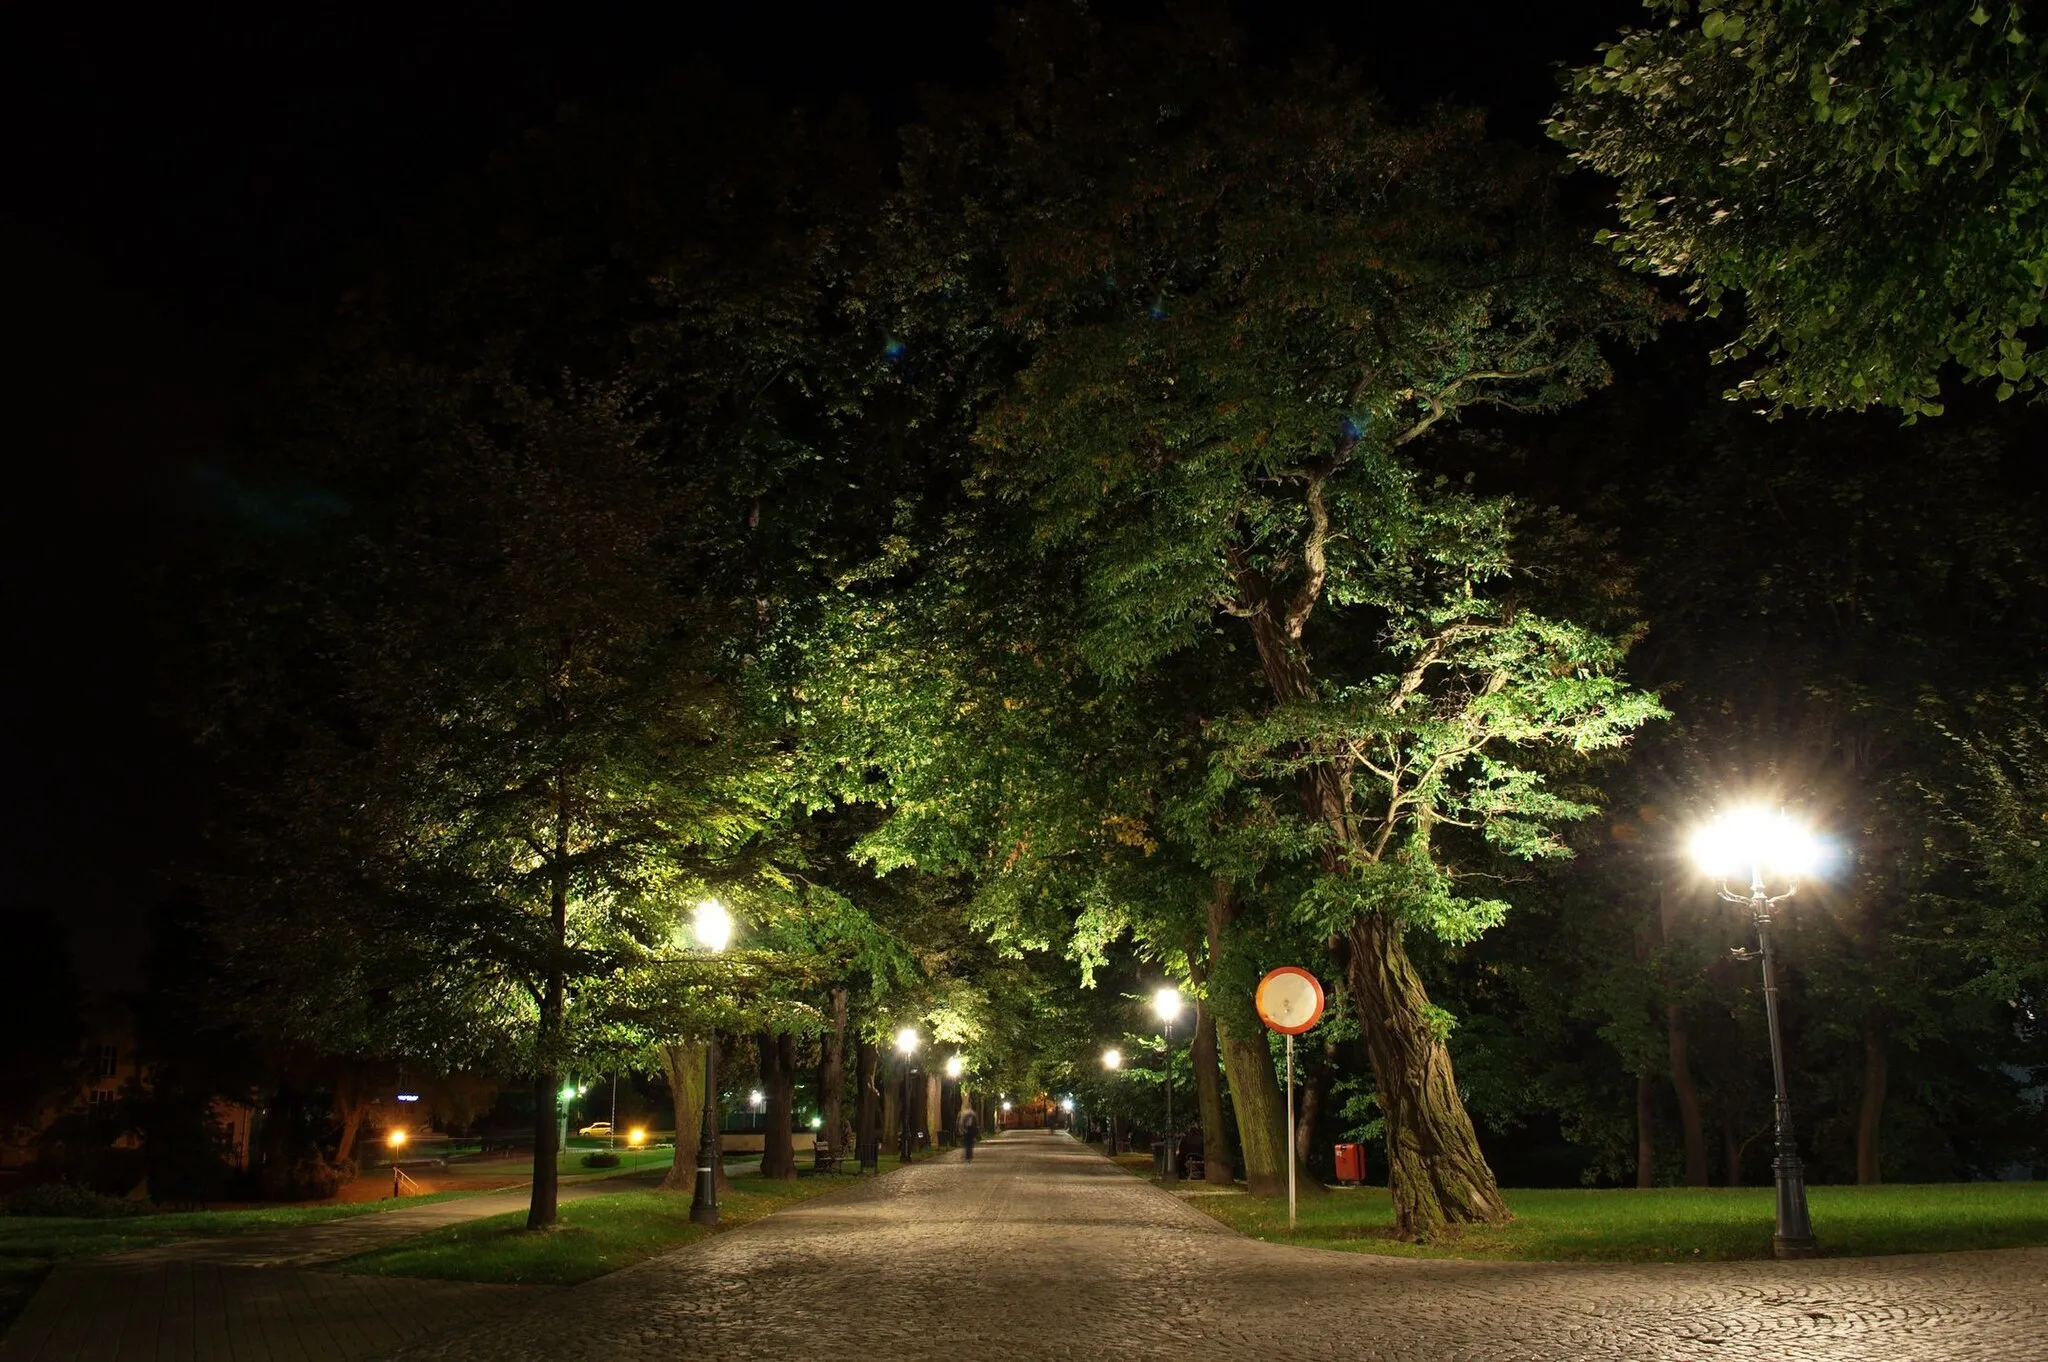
[(110, 1060)]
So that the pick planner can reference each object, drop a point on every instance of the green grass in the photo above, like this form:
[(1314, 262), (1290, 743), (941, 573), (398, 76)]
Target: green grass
[(30, 1245), (597, 1235), (1669, 1224)]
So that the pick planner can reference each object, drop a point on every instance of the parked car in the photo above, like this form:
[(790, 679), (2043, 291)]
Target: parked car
[(598, 1128)]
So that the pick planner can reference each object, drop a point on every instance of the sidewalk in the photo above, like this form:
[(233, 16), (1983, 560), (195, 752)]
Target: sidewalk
[(250, 1299)]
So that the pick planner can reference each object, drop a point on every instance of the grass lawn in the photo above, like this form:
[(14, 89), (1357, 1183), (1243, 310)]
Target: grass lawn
[(597, 1235), (1667, 1224), (30, 1245)]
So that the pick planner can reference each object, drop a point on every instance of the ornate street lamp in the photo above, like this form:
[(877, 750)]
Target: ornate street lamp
[(713, 928), (1166, 1002), (1757, 842), (906, 1045)]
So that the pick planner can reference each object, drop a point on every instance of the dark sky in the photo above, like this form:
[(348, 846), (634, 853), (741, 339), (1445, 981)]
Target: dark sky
[(182, 180)]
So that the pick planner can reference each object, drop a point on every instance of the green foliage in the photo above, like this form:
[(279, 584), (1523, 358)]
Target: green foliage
[(1867, 175)]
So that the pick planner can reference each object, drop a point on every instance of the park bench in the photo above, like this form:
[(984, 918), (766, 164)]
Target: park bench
[(824, 1159)]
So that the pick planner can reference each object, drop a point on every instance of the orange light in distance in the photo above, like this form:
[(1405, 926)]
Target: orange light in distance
[(396, 1139), (636, 1137)]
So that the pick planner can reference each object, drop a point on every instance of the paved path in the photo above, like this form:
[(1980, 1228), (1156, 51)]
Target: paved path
[(1041, 1250)]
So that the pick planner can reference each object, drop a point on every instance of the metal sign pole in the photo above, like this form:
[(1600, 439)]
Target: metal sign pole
[(1292, 1142)]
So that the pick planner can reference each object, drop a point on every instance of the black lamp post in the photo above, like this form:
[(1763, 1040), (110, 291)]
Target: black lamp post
[(1166, 1002), (1754, 838), (906, 1045), (1112, 1060), (714, 929)]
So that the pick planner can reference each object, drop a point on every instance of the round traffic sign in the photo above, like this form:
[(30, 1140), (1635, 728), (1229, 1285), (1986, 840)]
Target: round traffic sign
[(1289, 1000)]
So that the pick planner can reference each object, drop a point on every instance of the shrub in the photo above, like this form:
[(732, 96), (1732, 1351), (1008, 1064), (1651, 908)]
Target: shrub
[(68, 1198), (602, 1158)]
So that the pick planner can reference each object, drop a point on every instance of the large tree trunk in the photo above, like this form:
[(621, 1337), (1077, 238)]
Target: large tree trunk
[(541, 1207), (1692, 1128), (1435, 1170), (1646, 1171), (1691, 1124), (868, 1103), (832, 1077), (778, 1080), (1870, 1113), (1255, 1094), (929, 1116), (892, 1110), (1731, 1153), (684, 1065), (1219, 1151), (1312, 1076)]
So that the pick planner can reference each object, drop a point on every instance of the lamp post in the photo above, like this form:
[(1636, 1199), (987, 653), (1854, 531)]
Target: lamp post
[(1166, 1002), (1756, 841), (906, 1045), (1112, 1060), (955, 1066), (713, 926)]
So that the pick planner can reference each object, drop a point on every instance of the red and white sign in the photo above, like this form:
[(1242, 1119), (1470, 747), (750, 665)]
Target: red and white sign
[(1289, 1000)]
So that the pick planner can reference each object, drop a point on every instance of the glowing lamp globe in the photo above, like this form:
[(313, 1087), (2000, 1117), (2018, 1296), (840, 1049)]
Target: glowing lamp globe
[(1166, 1002), (712, 925), (953, 1067), (1112, 1059), (1750, 840), (906, 1040)]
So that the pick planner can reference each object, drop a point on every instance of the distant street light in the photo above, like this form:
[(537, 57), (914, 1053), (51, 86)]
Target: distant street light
[(906, 1045), (1167, 1003), (953, 1067), (1112, 1060), (712, 925), (1755, 842)]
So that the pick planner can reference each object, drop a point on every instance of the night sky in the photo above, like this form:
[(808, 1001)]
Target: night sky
[(187, 185)]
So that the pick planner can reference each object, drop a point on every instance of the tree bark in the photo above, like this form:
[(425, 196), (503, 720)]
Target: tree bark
[(929, 1116), (1731, 1153), (1247, 1062), (892, 1110), (1646, 1172), (1219, 1151), (1313, 1077), (868, 1103), (832, 1077), (1435, 1170), (1692, 1126), (684, 1065), (778, 1081), (1870, 1113)]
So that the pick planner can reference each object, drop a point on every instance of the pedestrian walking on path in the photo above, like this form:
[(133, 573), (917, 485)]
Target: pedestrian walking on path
[(970, 1131)]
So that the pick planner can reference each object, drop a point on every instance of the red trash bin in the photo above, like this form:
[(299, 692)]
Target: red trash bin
[(1351, 1163)]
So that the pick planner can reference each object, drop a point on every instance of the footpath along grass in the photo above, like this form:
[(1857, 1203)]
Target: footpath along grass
[(1667, 1224), (597, 1235)]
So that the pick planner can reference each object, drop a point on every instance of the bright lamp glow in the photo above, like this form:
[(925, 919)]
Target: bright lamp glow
[(1067, 1105), (1006, 1106), (1748, 839), (755, 1099), (1166, 1002), (906, 1040), (396, 1139), (712, 924), (636, 1137), (953, 1067), (817, 1122), (1112, 1059)]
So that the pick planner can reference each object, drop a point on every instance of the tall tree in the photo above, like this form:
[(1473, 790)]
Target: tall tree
[(1245, 303)]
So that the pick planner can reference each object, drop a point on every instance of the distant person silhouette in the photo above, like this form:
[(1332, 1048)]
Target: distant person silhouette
[(970, 1131)]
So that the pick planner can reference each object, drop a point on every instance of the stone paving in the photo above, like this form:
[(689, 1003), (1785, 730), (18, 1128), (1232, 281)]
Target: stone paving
[(1040, 1249)]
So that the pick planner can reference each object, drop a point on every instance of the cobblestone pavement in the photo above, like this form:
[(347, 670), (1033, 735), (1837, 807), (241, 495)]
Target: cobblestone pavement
[(1042, 1250)]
